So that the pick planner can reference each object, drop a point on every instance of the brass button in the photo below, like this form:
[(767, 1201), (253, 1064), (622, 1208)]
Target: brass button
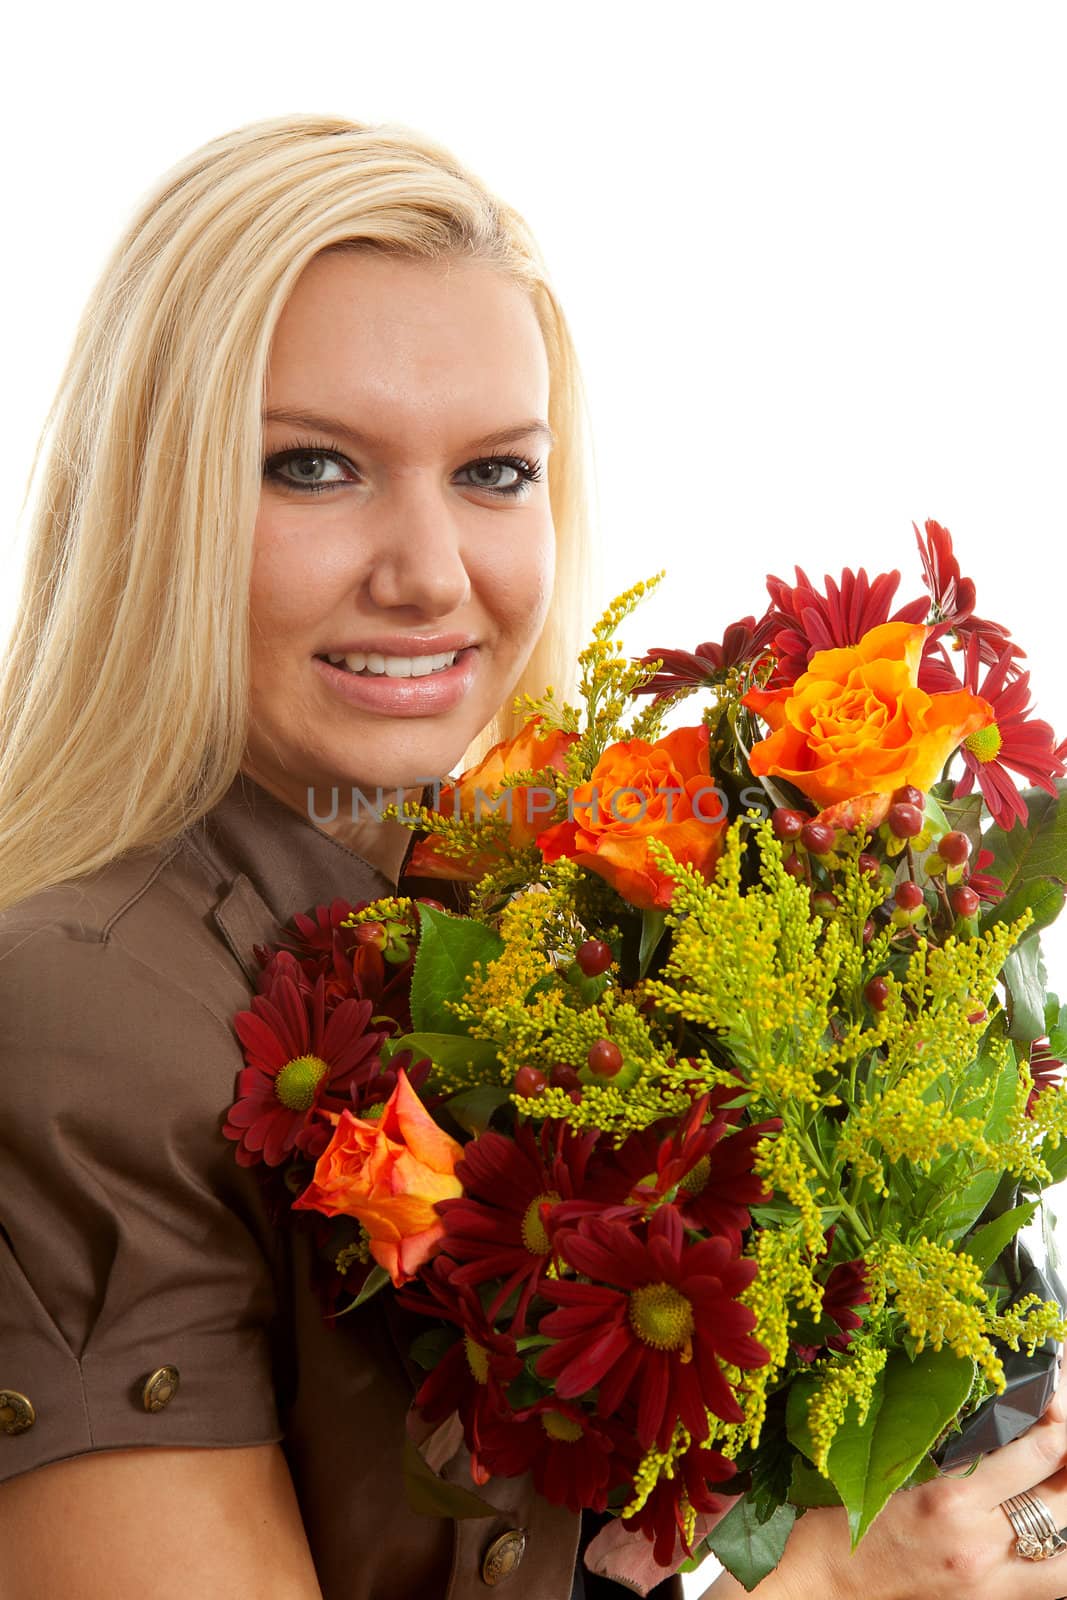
[(16, 1412), (504, 1556), (160, 1388)]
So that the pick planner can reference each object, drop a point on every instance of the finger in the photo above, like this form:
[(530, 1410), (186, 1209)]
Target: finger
[(1052, 1494), (1039, 1454)]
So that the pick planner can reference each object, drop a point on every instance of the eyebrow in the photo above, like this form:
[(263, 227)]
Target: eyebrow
[(316, 422)]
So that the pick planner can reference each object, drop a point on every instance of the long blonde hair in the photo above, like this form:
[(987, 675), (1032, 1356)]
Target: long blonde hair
[(123, 696)]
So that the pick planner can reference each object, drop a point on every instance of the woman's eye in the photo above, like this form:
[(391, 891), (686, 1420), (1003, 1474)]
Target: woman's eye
[(308, 469), (493, 481)]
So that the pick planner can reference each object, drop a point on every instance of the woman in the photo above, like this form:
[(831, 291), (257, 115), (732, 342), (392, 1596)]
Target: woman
[(323, 404)]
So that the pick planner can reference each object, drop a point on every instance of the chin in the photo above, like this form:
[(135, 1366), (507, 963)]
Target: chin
[(420, 760)]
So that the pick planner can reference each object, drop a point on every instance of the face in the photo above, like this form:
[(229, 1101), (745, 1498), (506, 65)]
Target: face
[(391, 529)]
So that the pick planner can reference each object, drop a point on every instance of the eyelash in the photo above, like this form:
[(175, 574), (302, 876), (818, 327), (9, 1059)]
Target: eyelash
[(530, 470)]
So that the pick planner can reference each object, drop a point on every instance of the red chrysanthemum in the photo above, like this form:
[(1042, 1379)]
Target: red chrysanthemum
[(952, 599), (985, 885), (703, 1167), (1045, 1069), (351, 968), (710, 1166), (662, 1517), (805, 621), (654, 1321), (743, 644), (471, 1378), (572, 1455), (302, 1063), (1012, 740), (496, 1228), (844, 1290)]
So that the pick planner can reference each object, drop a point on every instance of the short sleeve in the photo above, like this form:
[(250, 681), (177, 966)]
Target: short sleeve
[(137, 1280)]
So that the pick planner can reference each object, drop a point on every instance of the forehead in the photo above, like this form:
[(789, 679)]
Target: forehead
[(416, 347)]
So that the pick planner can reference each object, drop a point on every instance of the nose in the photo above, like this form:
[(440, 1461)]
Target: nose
[(419, 559)]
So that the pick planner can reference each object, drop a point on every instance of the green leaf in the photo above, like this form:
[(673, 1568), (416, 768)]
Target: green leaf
[(448, 948), (919, 1399), (376, 1279), (809, 1488), (986, 1245), (1056, 1161), (751, 1549), (1026, 857), (1056, 1026), (966, 1207), (431, 1496), (653, 926), (913, 1401), (1025, 979), (429, 1348), (473, 1109), (450, 1050)]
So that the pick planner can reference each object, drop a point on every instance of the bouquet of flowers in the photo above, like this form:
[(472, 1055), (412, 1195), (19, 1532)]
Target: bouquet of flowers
[(702, 1139)]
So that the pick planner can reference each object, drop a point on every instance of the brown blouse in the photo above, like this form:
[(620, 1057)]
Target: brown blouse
[(145, 1298)]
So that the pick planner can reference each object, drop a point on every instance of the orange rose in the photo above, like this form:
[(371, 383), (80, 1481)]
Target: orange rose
[(857, 723), (389, 1174), (468, 797), (628, 801)]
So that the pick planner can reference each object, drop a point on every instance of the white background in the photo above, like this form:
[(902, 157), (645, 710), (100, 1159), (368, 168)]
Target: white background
[(813, 255)]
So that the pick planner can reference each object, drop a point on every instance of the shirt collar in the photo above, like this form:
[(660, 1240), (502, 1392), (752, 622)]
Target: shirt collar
[(290, 862)]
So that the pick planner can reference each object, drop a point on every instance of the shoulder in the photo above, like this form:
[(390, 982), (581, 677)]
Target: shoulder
[(118, 997), (137, 932)]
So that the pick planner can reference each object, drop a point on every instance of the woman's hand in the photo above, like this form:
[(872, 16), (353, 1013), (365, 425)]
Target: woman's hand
[(945, 1540)]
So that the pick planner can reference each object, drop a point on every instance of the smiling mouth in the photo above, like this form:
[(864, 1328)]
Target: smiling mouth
[(371, 664)]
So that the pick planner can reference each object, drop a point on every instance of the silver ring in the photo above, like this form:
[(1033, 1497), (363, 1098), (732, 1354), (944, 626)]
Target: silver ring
[(1037, 1537)]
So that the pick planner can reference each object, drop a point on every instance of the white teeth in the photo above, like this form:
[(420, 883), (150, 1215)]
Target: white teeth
[(394, 666)]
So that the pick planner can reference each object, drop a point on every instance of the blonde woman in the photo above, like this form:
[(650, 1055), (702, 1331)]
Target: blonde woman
[(322, 405)]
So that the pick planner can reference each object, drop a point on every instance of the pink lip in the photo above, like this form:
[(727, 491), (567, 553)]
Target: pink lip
[(404, 644), (400, 697)]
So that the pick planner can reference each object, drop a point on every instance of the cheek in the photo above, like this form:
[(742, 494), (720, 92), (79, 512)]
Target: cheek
[(286, 591), (516, 578)]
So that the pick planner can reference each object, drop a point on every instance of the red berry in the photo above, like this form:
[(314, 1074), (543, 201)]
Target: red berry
[(818, 837), (876, 993), (955, 848), (530, 1082), (793, 865), (904, 820), (604, 1057), (371, 933), (594, 957), (908, 895), (964, 901), (824, 902), (868, 931), (424, 900), (787, 824), (563, 1076), (908, 795), (869, 865)]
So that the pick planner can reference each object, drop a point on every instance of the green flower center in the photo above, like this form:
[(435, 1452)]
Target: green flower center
[(985, 744), (534, 1236), (563, 1429), (477, 1359), (696, 1179), (296, 1083), (662, 1317)]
